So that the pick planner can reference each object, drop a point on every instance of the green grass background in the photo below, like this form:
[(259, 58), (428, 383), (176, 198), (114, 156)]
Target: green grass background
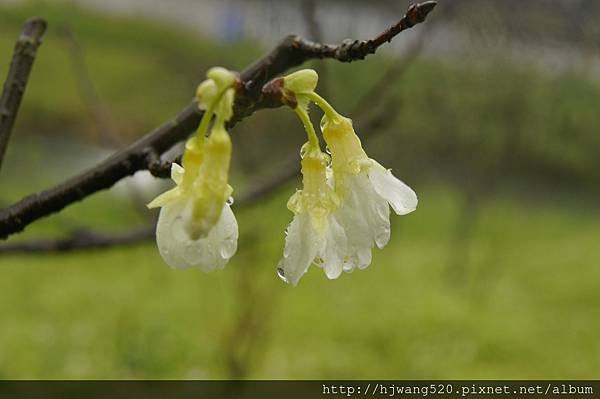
[(522, 300)]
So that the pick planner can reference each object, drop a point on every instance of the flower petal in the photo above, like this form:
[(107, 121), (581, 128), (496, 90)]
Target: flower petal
[(208, 253), (166, 240), (301, 248), (334, 250), (364, 214), (215, 250), (165, 198), (358, 258), (177, 172), (401, 197)]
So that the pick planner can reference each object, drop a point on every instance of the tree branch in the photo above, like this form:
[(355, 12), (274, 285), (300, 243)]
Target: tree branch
[(85, 239), (18, 75), (291, 52)]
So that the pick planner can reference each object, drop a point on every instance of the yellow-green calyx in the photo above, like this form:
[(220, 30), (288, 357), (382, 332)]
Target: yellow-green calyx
[(204, 178), (210, 188), (345, 144), (316, 198)]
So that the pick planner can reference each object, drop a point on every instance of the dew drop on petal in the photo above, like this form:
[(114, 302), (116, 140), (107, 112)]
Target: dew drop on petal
[(228, 248), (323, 122), (281, 275), (230, 201), (304, 150)]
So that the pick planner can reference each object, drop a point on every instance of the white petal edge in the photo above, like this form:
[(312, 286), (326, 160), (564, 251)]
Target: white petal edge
[(301, 248), (177, 173), (401, 197), (334, 250)]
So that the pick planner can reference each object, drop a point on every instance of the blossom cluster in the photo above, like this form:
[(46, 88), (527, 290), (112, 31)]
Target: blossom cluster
[(340, 214)]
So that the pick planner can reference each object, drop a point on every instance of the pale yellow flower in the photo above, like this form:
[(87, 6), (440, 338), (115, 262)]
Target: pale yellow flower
[(314, 236), (365, 189), (196, 226)]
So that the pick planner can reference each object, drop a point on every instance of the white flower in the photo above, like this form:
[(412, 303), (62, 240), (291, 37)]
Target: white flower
[(175, 244), (365, 189), (314, 235), (196, 227), (343, 210)]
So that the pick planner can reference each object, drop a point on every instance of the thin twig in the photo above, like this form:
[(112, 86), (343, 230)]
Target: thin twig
[(80, 239), (18, 75), (291, 52)]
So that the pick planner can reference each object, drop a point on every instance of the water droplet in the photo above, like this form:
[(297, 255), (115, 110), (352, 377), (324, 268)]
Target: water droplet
[(304, 150), (324, 121), (318, 261), (228, 248), (281, 275), (230, 201), (327, 150)]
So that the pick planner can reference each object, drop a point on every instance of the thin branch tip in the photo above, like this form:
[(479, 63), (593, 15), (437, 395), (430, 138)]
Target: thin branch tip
[(35, 27), (18, 75), (425, 8)]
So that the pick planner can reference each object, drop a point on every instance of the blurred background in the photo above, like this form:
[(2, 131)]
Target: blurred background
[(489, 110)]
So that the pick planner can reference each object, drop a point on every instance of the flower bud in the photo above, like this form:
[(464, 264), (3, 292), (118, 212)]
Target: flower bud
[(225, 107), (303, 81), (222, 77), (206, 93)]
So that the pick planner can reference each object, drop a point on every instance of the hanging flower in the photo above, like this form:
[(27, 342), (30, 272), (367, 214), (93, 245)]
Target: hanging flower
[(176, 245), (352, 215), (314, 236), (365, 189), (196, 226)]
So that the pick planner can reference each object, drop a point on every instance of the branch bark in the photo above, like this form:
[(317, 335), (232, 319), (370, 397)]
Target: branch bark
[(142, 155), (18, 75)]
